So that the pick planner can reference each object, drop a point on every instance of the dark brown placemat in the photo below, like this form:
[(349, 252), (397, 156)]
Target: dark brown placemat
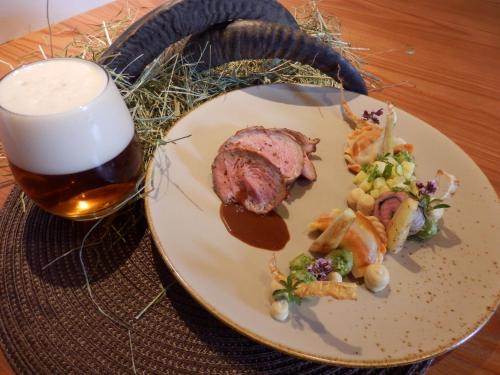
[(49, 324)]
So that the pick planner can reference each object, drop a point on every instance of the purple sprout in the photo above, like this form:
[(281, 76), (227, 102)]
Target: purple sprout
[(321, 268), (373, 115), (429, 188)]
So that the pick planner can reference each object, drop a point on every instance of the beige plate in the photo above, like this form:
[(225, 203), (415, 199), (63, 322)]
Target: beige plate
[(441, 292)]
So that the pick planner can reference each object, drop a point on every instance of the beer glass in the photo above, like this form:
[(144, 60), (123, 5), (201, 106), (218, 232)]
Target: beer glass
[(69, 137)]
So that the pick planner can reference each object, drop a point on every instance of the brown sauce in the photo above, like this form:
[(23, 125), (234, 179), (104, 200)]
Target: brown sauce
[(263, 231)]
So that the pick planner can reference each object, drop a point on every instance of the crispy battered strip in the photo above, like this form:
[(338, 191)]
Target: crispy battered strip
[(334, 233), (275, 272), (354, 121), (317, 288), (327, 288)]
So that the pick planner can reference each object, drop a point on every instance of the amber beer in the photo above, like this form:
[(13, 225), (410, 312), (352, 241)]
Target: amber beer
[(69, 137)]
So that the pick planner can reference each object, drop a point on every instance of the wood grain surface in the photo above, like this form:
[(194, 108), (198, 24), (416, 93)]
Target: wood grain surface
[(439, 60)]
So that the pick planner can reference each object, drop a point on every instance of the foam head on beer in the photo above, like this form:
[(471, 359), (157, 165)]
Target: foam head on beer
[(64, 117), (41, 132), (55, 86)]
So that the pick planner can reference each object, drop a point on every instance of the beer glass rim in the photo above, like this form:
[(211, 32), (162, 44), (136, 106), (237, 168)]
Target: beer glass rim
[(78, 108)]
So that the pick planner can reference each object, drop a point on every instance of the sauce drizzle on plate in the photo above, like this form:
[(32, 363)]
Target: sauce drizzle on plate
[(267, 232)]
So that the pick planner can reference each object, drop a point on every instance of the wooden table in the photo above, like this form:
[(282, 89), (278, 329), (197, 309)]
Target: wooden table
[(441, 58)]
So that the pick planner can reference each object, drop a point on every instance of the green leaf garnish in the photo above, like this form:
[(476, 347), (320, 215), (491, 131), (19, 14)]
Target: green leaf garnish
[(374, 173), (288, 292), (404, 155), (387, 171), (442, 205)]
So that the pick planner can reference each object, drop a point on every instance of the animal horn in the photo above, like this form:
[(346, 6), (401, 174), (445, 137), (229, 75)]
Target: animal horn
[(242, 40), (149, 36)]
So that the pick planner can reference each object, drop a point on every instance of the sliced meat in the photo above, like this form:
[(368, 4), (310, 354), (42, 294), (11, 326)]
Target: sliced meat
[(308, 144), (246, 177), (309, 172), (308, 147), (387, 204), (278, 147)]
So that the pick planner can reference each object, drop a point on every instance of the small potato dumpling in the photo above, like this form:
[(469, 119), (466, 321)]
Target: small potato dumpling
[(378, 182), (408, 168), (380, 166), (366, 186), (366, 204), (375, 193), (384, 189), (376, 277), (359, 178), (353, 198)]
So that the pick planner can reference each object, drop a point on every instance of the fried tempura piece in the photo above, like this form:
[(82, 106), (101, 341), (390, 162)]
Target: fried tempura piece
[(327, 288), (317, 288), (366, 238), (334, 233), (354, 121)]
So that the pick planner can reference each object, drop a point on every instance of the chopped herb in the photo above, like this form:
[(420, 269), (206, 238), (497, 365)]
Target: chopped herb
[(288, 292), (373, 173), (428, 204), (387, 171), (384, 157), (442, 205), (404, 155)]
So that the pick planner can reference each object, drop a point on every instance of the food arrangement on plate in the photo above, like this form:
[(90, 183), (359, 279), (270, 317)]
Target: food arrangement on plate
[(429, 306), (256, 168)]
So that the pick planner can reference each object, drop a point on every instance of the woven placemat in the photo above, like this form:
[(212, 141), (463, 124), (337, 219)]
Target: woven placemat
[(50, 325)]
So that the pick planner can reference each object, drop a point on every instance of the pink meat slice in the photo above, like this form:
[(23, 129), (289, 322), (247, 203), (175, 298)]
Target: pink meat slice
[(387, 204), (309, 172), (278, 147), (308, 144), (247, 177), (308, 147)]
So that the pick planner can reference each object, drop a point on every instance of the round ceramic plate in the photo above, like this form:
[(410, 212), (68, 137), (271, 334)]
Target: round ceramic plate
[(441, 291)]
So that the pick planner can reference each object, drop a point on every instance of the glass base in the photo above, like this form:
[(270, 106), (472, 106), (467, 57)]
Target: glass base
[(83, 211)]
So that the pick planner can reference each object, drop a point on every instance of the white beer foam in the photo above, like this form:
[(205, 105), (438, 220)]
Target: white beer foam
[(70, 118), (51, 87)]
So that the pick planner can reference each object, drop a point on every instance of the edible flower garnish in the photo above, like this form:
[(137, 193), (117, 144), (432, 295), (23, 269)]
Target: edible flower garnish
[(372, 115), (429, 188), (427, 204), (321, 268)]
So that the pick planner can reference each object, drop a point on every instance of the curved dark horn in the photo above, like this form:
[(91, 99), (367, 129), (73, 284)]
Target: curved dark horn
[(146, 38), (260, 40)]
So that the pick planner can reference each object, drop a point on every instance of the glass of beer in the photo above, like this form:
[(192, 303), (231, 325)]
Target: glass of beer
[(69, 137)]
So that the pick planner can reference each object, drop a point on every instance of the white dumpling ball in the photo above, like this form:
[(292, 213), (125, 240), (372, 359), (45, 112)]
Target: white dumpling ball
[(376, 277)]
